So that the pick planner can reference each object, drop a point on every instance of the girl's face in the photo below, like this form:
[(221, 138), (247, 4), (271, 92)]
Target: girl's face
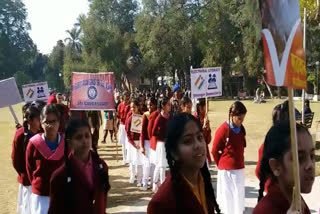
[(35, 123), (50, 124), (167, 107), (187, 108), (191, 147), (202, 110), (306, 152), (134, 109), (238, 120), (151, 107), (81, 141)]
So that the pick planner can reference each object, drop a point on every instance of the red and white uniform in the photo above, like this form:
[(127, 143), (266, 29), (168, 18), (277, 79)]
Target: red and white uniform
[(123, 110), (228, 154), (153, 139), (41, 162)]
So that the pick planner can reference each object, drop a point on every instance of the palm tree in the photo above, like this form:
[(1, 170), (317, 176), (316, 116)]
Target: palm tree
[(74, 39)]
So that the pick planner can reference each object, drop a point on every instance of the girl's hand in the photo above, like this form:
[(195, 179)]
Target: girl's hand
[(206, 123)]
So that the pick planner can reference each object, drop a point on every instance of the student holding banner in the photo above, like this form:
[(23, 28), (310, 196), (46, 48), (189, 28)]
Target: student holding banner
[(134, 156), (44, 155), (122, 114), (276, 164), (159, 132), (228, 153), (148, 167), (31, 126)]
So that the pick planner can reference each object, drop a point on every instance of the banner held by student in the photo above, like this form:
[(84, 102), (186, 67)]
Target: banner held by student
[(35, 91)]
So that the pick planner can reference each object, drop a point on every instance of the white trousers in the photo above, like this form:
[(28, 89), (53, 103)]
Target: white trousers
[(39, 204), (24, 195), (231, 191)]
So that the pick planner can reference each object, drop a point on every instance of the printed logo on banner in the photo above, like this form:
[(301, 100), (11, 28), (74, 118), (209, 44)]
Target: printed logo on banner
[(92, 92), (136, 123), (40, 92), (212, 82), (35, 91)]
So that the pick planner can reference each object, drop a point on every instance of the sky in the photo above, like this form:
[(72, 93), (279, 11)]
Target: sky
[(50, 19)]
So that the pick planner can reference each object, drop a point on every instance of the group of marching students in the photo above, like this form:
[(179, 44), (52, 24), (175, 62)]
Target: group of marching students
[(61, 172)]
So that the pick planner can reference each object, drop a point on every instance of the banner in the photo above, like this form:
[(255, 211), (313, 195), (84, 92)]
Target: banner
[(206, 82), (92, 91), (136, 123), (283, 43), (35, 91), (9, 93)]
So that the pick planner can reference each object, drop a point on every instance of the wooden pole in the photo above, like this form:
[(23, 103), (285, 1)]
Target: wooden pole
[(14, 115), (294, 149), (304, 46)]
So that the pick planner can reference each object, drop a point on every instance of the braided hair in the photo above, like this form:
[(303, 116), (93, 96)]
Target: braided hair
[(277, 143), (29, 114), (72, 127), (174, 132), (162, 102)]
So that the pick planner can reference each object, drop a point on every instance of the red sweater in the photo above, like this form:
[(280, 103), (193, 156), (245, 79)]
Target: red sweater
[(152, 119), (232, 156), (159, 130), (207, 137), (123, 110), (86, 200), (132, 136), (52, 99), (275, 202), (18, 157), (41, 163), (144, 132), (164, 201)]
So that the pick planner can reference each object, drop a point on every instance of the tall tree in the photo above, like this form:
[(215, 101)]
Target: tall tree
[(73, 39)]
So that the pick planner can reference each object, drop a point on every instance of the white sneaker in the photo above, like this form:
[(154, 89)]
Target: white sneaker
[(139, 184), (144, 188), (155, 188), (132, 179)]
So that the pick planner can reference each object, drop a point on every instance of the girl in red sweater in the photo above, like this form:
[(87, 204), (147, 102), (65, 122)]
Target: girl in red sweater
[(276, 164), (228, 153), (31, 126), (134, 155), (44, 155), (81, 184), (159, 131), (188, 188), (148, 167)]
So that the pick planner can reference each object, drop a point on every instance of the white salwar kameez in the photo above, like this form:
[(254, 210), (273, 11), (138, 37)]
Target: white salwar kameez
[(24, 195)]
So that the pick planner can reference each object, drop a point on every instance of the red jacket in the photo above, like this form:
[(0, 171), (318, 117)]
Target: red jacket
[(276, 203), (86, 200), (152, 119), (164, 201), (41, 163), (207, 137), (144, 132), (123, 110), (159, 130), (132, 136), (232, 156), (18, 157)]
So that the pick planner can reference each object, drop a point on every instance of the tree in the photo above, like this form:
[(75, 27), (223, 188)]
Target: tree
[(74, 39)]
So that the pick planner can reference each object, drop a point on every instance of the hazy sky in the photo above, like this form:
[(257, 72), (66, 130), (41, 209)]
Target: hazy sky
[(50, 19)]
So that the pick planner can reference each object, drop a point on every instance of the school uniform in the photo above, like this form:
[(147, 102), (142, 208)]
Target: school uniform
[(207, 137), (145, 143), (122, 114), (164, 201), (87, 188), (275, 202), (228, 154), (135, 157), (18, 157), (160, 131), (41, 162), (153, 140)]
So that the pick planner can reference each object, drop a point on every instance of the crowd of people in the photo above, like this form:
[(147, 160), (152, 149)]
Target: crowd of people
[(60, 171)]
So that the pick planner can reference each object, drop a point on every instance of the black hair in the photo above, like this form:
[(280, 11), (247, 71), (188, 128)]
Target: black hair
[(276, 144), (153, 101), (236, 109), (174, 132), (162, 102), (72, 127), (29, 114), (50, 109), (307, 103), (185, 100), (281, 112)]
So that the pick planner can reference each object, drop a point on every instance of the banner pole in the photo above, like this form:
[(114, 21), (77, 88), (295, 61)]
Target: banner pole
[(294, 149), (14, 115), (304, 47)]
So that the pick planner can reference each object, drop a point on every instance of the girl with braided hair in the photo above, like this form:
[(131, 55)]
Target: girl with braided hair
[(81, 184), (31, 126), (276, 164), (188, 188), (228, 153)]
